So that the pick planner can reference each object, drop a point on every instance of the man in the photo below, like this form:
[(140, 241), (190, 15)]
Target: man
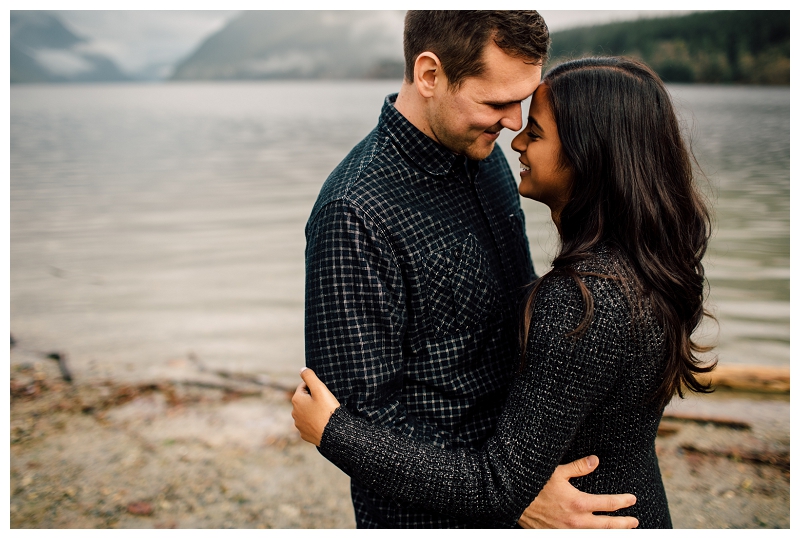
[(416, 257)]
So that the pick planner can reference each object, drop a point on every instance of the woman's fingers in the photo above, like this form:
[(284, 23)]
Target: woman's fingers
[(319, 391), (302, 413), (310, 379), (312, 406), (300, 394)]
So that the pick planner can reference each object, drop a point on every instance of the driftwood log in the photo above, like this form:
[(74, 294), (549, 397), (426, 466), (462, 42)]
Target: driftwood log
[(781, 459), (735, 377), (61, 359), (703, 420), (749, 378)]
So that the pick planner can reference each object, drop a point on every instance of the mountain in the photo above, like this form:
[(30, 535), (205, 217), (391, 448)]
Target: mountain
[(747, 47), (44, 50), (301, 44)]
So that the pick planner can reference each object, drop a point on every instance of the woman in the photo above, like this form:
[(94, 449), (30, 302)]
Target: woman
[(607, 334)]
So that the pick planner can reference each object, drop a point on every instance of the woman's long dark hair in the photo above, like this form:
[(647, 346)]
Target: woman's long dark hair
[(633, 188)]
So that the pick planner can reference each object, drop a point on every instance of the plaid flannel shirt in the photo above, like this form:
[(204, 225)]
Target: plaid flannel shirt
[(416, 260)]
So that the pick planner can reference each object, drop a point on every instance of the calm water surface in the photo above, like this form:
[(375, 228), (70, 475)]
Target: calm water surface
[(153, 221)]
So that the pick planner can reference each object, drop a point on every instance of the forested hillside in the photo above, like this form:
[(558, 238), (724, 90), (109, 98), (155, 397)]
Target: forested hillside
[(748, 47)]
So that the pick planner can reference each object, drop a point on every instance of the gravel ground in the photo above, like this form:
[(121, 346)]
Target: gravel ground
[(211, 452)]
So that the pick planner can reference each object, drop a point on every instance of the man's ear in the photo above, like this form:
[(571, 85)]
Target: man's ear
[(428, 74)]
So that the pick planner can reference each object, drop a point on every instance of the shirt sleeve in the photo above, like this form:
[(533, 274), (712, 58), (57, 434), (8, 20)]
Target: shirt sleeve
[(564, 378), (356, 317)]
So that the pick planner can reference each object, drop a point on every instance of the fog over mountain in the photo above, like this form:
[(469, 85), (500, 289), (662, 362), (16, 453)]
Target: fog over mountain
[(111, 45), (44, 50), (145, 44), (301, 44)]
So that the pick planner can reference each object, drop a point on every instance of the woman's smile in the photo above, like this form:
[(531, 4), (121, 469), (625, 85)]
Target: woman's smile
[(544, 176)]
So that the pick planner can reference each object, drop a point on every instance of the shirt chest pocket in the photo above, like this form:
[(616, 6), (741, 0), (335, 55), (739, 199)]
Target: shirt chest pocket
[(461, 291)]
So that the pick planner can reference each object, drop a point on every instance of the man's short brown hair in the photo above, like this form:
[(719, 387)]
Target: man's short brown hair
[(458, 39)]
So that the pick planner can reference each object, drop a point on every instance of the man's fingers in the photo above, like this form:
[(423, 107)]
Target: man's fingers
[(607, 502), (577, 468), (613, 523)]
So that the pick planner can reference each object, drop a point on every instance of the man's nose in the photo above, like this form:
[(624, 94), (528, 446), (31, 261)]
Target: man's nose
[(512, 117)]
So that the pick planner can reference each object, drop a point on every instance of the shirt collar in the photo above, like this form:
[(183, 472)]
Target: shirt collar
[(423, 151)]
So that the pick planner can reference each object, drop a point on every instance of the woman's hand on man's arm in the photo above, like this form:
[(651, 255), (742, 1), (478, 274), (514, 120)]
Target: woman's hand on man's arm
[(312, 407)]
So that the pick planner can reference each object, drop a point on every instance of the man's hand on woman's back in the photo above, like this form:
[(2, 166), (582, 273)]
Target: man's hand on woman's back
[(560, 505)]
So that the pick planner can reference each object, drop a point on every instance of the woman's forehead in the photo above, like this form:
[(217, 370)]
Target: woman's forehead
[(540, 103)]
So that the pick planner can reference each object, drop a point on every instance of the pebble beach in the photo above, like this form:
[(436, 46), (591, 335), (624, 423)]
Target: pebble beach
[(210, 450)]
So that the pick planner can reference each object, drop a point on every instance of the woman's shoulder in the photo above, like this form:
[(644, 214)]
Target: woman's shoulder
[(604, 269), (585, 306), (604, 274), (604, 259)]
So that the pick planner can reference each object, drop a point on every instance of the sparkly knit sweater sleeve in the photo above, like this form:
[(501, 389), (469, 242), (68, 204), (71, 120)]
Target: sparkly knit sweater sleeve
[(564, 378)]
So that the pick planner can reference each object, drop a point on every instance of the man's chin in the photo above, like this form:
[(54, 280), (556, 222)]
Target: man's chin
[(479, 153)]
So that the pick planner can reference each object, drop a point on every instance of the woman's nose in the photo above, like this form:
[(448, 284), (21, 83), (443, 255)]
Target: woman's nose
[(518, 145)]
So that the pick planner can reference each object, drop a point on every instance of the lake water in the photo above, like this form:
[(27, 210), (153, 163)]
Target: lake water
[(148, 222)]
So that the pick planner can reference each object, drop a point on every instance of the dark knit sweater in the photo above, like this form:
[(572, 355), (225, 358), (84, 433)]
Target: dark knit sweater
[(574, 397)]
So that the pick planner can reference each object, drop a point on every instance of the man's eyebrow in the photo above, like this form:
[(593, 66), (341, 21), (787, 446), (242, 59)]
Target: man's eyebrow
[(532, 120), (502, 103)]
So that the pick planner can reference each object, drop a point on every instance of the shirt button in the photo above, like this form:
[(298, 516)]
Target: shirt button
[(457, 253)]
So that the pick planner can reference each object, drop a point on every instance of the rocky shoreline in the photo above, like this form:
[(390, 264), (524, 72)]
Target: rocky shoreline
[(199, 449)]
